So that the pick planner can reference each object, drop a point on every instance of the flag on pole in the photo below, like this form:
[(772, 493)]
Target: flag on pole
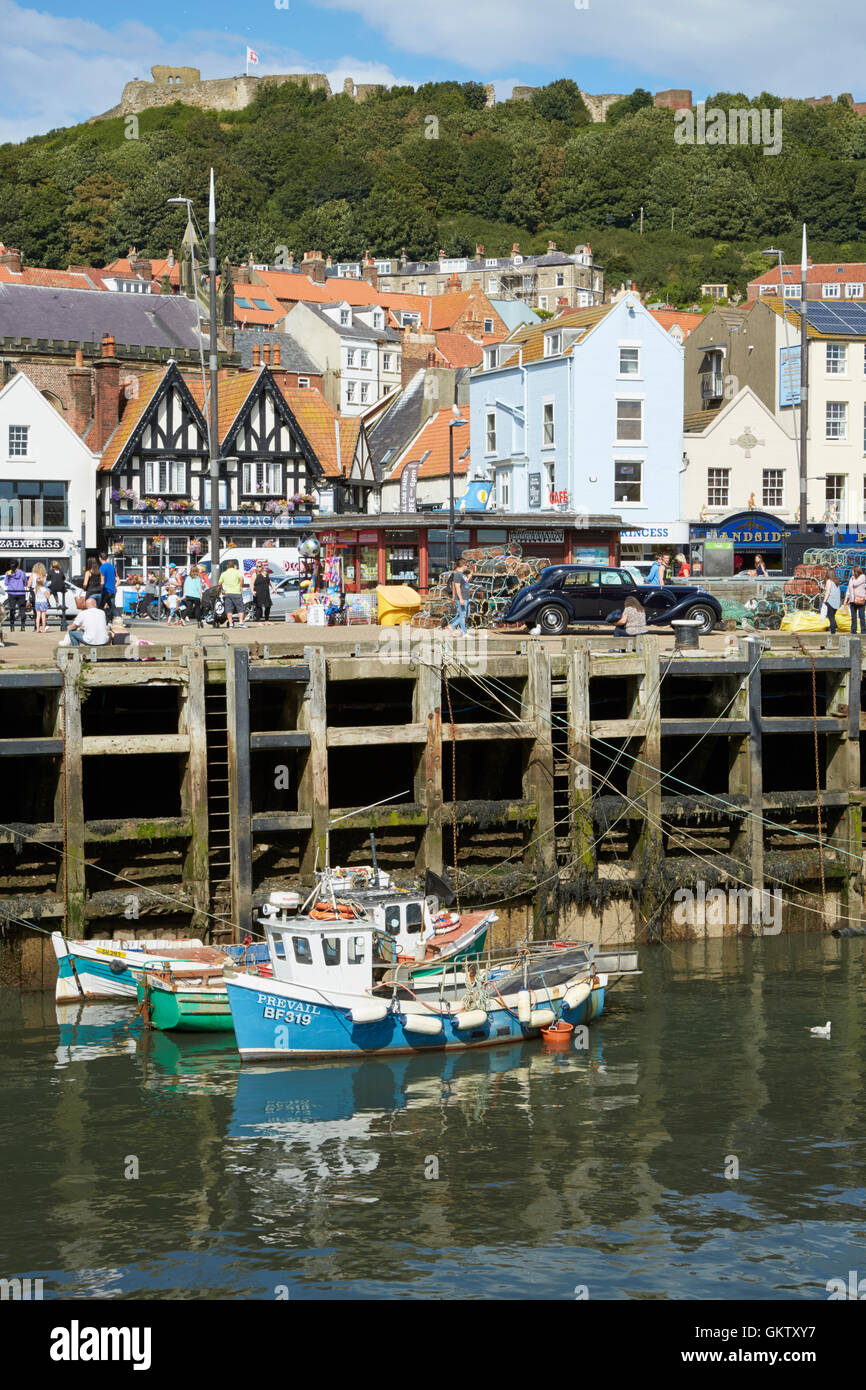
[(252, 57)]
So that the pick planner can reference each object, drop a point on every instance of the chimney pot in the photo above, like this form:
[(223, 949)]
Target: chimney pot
[(79, 357), (257, 353), (276, 354), (108, 345), (266, 353), (11, 258)]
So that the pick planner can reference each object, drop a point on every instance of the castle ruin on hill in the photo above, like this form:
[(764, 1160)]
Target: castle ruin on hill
[(171, 84)]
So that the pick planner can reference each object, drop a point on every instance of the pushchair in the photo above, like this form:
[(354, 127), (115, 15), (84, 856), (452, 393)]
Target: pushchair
[(213, 609)]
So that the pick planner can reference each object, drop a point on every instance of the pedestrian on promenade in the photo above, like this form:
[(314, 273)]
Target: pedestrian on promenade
[(831, 601), (658, 571), (192, 593), (57, 590), (760, 567), (16, 594), (460, 595), (261, 587), (172, 601), (92, 581), (109, 584), (855, 597), (39, 593), (683, 568), (90, 628), (233, 593)]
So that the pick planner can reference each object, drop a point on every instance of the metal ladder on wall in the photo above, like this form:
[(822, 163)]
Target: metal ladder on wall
[(219, 824), (561, 769)]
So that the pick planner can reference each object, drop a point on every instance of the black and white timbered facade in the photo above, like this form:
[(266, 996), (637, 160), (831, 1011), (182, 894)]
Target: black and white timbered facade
[(154, 474)]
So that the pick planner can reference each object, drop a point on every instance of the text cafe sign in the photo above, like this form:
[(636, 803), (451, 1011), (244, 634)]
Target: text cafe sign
[(200, 521)]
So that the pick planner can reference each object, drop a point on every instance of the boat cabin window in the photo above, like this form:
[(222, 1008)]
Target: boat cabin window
[(392, 918), (414, 916), (331, 950), (279, 948), (355, 950), (303, 954)]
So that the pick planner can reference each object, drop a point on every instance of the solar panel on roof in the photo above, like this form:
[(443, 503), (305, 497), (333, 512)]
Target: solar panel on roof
[(847, 319)]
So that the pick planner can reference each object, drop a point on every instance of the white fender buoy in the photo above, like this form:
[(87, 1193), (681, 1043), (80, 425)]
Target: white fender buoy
[(373, 1012), (470, 1018), (541, 1018), (429, 1024), (524, 1005), (576, 995)]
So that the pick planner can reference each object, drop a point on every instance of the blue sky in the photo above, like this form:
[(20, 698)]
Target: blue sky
[(65, 60)]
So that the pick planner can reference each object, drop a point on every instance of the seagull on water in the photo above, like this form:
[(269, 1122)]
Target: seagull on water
[(821, 1032)]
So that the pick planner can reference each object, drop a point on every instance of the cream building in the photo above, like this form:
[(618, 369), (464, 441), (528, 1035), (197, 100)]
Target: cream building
[(737, 459)]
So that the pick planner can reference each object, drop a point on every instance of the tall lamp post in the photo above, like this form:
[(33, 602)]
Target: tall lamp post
[(801, 445), (452, 426)]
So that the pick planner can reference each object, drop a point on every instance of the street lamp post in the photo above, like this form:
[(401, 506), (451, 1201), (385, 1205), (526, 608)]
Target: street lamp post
[(800, 445), (452, 426)]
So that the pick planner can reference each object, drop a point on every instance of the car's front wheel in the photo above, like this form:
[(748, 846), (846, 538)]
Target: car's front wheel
[(552, 620), (700, 612)]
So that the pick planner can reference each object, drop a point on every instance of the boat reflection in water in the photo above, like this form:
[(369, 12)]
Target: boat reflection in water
[(90, 1031)]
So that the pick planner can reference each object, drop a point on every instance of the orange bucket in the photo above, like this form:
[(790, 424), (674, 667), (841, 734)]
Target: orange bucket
[(558, 1035)]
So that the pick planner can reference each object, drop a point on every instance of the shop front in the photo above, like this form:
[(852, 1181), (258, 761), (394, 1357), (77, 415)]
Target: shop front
[(142, 541), (751, 533), (413, 548), (645, 542), (27, 548)]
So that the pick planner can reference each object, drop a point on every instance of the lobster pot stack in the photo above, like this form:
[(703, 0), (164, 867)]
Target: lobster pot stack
[(498, 573)]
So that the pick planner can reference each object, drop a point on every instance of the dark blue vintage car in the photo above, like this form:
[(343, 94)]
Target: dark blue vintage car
[(567, 594)]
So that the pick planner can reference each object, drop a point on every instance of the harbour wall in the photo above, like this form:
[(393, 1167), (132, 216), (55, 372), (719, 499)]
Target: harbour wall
[(580, 784)]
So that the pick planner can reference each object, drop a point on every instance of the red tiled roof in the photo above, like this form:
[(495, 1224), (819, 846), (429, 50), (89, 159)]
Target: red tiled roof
[(459, 350), (434, 436), (158, 268), (685, 319), (148, 385), (825, 272), (245, 317), (52, 279), (316, 418)]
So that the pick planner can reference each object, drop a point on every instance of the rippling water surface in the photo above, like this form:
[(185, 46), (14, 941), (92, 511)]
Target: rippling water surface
[(602, 1169)]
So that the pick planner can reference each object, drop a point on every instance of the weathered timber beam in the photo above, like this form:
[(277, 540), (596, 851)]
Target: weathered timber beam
[(261, 673), (375, 735), (518, 812), (31, 680), (30, 747), (806, 725), (788, 801), (279, 738), (167, 901), (131, 673), (614, 666), (619, 728), (136, 831), (501, 729), (379, 817), (97, 745), (31, 907), (801, 664), (45, 833), (671, 727), (275, 822)]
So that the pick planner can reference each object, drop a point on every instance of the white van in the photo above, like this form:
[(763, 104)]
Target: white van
[(284, 565)]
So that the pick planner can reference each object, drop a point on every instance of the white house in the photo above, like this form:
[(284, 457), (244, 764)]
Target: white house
[(739, 458), (47, 480), (360, 354)]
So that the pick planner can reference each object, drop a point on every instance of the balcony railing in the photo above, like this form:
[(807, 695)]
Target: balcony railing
[(712, 386)]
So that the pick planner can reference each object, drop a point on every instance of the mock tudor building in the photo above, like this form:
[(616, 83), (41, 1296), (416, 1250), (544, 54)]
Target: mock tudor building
[(154, 472)]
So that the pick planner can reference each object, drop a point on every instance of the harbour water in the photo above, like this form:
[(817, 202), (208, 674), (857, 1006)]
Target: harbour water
[(703, 1146)]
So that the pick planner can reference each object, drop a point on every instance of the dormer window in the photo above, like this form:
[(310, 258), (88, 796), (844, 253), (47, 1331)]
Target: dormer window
[(378, 321), (345, 316), (552, 344), (491, 357)]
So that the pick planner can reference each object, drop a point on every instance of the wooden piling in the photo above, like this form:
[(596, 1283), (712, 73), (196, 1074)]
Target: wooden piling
[(240, 803), (313, 784), (194, 804), (74, 872)]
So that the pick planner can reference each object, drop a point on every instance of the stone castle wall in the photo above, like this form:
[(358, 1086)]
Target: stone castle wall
[(171, 84)]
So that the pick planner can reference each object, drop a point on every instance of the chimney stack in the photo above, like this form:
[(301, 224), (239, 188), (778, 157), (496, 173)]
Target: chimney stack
[(169, 260), (139, 265), (314, 266), (369, 271), (266, 354), (551, 246), (11, 258), (276, 354), (106, 380), (79, 404), (479, 250), (257, 355)]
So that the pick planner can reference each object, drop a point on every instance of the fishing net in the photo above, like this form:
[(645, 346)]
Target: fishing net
[(498, 572)]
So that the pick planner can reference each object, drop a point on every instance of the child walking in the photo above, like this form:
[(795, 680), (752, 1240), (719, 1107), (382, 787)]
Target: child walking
[(40, 601)]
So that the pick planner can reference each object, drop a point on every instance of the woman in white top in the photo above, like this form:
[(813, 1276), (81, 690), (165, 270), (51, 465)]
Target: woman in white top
[(855, 597), (831, 601)]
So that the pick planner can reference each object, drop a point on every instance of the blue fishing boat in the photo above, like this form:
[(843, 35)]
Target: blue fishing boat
[(331, 996)]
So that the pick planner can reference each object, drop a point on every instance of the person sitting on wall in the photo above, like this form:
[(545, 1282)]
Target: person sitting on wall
[(90, 628), (633, 617)]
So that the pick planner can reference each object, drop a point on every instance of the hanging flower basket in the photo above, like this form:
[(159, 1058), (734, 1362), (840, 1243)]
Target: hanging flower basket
[(196, 547), (117, 548)]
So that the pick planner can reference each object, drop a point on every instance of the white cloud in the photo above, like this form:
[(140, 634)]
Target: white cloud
[(786, 46)]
